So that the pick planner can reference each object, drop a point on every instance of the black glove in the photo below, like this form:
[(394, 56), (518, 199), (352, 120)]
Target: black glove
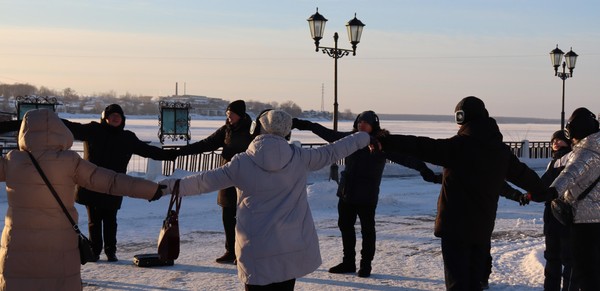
[(429, 176), (301, 124), (523, 199), (158, 193), (548, 195)]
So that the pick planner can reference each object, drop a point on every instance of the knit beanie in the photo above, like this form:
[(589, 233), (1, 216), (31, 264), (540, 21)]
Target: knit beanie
[(276, 122), (369, 117), (113, 108), (581, 124), (559, 134), (238, 107), (470, 108)]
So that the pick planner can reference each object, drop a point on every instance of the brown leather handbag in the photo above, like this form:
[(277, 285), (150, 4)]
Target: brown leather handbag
[(168, 239)]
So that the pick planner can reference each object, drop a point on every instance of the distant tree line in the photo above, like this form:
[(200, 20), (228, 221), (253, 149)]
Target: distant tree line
[(72, 102)]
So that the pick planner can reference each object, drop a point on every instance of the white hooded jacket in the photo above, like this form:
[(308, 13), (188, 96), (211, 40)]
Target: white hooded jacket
[(276, 239)]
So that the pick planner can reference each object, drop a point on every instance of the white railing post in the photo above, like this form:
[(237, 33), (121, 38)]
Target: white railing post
[(525, 149)]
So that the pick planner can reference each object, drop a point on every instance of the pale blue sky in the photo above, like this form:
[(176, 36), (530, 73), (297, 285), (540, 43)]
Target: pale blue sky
[(415, 57)]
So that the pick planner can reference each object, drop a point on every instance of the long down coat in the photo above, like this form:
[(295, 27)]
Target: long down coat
[(39, 249), (276, 239)]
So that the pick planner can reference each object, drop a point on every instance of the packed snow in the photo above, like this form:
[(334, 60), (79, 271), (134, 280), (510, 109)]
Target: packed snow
[(408, 256)]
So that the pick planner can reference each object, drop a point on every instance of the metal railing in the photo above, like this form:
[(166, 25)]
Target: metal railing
[(212, 160)]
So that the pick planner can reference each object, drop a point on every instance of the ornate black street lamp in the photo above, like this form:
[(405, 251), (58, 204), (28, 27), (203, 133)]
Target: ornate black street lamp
[(570, 60), (316, 23)]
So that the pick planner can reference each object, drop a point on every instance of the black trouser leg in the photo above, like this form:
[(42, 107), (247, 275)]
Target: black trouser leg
[(553, 268), (585, 238), (346, 220), (366, 214), (95, 228), (229, 227), (280, 286), (487, 271), (110, 231), (463, 264)]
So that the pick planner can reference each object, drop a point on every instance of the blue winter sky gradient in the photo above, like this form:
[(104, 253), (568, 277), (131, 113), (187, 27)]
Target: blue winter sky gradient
[(415, 57)]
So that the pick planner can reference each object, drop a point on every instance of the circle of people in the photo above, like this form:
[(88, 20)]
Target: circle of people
[(277, 241)]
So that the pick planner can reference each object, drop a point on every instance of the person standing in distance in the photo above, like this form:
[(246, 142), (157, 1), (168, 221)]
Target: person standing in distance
[(558, 253), (233, 137), (107, 144)]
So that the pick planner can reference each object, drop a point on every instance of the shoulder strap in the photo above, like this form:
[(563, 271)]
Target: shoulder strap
[(37, 166), (175, 199), (588, 190)]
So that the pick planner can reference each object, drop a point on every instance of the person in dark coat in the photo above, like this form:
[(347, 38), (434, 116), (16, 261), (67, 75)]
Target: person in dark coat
[(476, 165), (107, 144), (358, 189), (233, 137), (557, 236)]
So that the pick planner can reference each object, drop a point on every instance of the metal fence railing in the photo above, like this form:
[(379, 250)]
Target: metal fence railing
[(211, 160)]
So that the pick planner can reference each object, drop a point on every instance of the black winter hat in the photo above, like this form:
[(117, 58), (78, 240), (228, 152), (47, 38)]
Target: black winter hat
[(470, 108), (238, 107), (581, 124), (559, 134), (110, 109), (369, 117)]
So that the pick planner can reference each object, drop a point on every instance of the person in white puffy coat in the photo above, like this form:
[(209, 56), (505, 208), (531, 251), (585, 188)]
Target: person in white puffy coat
[(276, 239), (581, 171)]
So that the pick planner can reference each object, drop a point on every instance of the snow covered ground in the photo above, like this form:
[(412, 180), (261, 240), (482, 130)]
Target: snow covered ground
[(408, 256)]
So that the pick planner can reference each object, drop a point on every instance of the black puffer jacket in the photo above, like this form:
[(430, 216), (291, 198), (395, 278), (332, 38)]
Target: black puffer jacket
[(111, 147), (360, 180), (476, 164), (233, 139)]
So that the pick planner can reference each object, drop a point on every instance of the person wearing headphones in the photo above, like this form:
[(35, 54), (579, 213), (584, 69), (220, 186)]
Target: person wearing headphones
[(477, 164), (581, 175), (358, 189), (276, 239)]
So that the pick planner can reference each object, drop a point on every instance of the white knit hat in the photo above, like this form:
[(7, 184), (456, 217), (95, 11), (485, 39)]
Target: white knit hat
[(276, 122)]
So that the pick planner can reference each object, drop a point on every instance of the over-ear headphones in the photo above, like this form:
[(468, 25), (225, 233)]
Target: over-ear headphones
[(581, 124), (256, 126)]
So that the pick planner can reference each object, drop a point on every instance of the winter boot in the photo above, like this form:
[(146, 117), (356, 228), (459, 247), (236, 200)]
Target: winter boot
[(365, 269), (227, 257), (112, 257), (344, 267)]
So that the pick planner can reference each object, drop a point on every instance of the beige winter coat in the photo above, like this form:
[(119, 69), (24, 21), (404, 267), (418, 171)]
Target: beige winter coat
[(39, 247)]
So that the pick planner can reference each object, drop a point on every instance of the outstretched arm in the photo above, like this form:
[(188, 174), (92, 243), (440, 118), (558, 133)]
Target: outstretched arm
[(415, 164), (211, 143), (325, 133), (511, 193)]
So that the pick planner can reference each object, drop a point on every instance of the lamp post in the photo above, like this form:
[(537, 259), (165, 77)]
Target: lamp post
[(316, 23), (570, 60)]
